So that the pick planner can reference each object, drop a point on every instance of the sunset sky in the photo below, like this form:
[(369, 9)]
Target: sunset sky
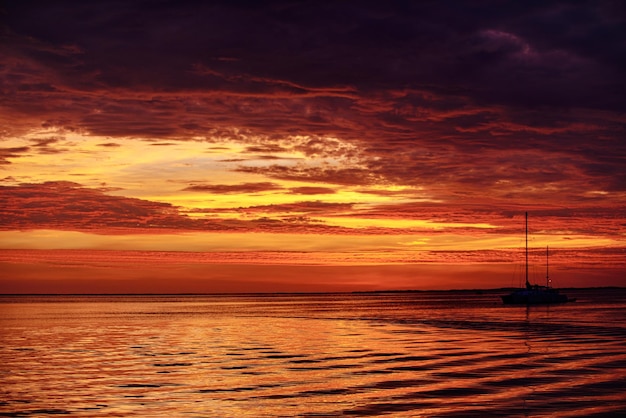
[(172, 146)]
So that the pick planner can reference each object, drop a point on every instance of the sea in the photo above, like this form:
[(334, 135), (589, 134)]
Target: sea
[(417, 354)]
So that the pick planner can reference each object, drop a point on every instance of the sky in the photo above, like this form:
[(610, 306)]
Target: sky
[(287, 146)]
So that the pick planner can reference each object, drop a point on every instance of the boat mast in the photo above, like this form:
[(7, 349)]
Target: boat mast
[(547, 267), (527, 282)]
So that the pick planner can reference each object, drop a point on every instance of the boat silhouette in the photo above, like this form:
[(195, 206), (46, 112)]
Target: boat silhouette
[(534, 294)]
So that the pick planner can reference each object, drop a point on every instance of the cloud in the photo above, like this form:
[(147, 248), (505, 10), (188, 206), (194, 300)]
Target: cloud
[(234, 188), (266, 148), (48, 145), (335, 52), (69, 206), (310, 208), (44, 142), (11, 152), (331, 175), (309, 190)]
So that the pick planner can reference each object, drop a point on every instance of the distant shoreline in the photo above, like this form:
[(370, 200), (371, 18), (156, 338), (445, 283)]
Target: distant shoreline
[(356, 292)]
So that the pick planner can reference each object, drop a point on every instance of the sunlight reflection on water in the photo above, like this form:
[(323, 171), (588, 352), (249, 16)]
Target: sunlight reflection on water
[(443, 354)]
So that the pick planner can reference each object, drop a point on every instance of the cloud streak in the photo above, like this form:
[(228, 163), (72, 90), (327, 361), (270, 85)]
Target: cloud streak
[(233, 188)]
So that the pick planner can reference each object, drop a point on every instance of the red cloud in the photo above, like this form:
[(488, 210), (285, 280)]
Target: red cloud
[(66, 205), (311, 208), (234, 188), (347, 176), (14, 152), (311, 190)]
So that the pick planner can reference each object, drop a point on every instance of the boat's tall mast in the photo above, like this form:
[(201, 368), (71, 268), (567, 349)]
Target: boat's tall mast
[(547, 267), (527, 282)]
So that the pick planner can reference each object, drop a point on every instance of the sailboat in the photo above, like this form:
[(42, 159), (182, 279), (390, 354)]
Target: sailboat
[(535, 294)]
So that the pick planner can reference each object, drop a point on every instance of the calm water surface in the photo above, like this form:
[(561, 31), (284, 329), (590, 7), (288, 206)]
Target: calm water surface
[(410, 354)]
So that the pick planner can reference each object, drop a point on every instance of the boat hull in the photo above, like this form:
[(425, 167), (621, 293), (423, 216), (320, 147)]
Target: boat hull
[(535, 297)]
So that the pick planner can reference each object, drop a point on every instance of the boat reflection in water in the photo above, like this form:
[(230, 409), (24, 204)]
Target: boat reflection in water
[(535, 294)]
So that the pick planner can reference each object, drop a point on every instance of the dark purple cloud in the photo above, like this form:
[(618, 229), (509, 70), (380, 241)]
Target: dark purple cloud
[(305, 47)]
